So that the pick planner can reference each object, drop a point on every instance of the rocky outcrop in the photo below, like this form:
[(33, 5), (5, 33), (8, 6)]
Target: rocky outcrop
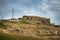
[(28, 30)]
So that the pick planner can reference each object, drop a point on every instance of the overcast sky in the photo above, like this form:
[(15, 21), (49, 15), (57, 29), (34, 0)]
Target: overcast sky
[(45, 8)]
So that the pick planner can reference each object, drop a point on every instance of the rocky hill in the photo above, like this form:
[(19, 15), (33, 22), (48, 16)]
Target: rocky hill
[(25, 28)]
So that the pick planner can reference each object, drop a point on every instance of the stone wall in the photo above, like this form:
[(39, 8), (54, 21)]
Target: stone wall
[(36, 19)]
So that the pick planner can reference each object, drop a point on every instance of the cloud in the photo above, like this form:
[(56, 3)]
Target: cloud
[(45, 8), (54, 7)]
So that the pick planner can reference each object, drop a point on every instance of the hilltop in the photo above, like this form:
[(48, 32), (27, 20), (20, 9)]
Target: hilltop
[(29, 26)]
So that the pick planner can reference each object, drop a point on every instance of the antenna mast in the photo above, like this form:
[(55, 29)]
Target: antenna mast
[(12, 12)]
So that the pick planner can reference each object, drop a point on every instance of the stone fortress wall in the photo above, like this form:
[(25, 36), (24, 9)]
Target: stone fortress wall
[(36, 19)]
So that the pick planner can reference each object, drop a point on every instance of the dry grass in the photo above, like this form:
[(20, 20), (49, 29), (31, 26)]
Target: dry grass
[(27, 26), (4, 36)]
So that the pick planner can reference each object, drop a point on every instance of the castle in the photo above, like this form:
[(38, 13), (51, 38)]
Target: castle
[(36, 19)]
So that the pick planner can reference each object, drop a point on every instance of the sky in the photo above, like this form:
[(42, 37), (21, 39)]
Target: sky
[(44, 8)]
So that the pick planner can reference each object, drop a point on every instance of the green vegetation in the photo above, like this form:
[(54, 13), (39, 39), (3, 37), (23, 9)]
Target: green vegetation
[(15, 37), (13, 21), (45, 28), (4, 21), (24, 22), (2, 25)]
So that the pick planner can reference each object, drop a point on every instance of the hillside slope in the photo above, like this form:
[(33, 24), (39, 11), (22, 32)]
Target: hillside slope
[(16, 30)]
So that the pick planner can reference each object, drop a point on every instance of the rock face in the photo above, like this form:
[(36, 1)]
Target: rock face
[(36, 19)]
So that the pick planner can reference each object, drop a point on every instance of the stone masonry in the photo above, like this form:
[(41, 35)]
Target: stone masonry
[(36, 19)]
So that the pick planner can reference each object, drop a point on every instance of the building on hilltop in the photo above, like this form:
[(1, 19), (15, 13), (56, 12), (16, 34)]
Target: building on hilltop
[(36, 19)]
